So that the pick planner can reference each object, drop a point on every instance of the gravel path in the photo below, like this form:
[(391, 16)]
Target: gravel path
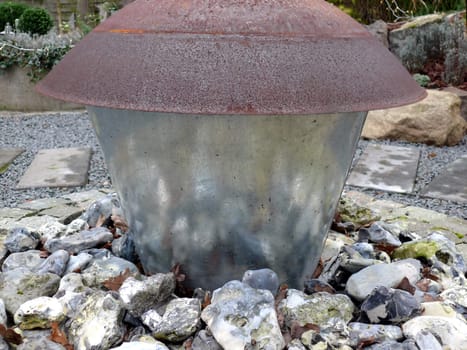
[(73, 129)]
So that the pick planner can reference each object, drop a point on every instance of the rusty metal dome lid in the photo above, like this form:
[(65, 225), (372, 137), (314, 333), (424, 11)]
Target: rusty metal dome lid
[(231, 57)]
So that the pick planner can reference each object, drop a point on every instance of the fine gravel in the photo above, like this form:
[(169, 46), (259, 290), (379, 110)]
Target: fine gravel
[(37, 131)]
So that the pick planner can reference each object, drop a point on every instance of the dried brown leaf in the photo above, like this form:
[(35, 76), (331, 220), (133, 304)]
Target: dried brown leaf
[(366, 342), (10, 335), (58, 336), (406, 285), (319, 269), (114, 283), (100, 220), (423, 284), (120, 223), (206, 300), (296, 330)]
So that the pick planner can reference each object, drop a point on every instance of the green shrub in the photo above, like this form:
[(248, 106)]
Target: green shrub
[(35, 20), (9, 12)]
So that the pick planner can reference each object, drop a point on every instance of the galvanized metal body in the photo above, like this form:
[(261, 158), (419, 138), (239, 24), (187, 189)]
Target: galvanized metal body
[(223, 194), (232, 57)]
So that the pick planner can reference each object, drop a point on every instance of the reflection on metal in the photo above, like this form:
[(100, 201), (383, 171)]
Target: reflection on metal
[(224, 194), (232, 57)]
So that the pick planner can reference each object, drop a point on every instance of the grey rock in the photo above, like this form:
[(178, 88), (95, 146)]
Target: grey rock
[(393, 345), (239, 315), (103, 207), (318, 308), (39, 344), (140, 296), (4, 345), (20, 285), (366, 250), (362, 283), (205, 341), (20, 239), (262, 279), (452, 332), (80, 241), (56, 263), (98, 325), (124, 247), (352, 261), (181, 319), (101, 269), (64, 213), (3, 316), (382, 233), (379, 333), (78, 262), (39, 313), (139, 345), (427, 341), (390, 305), (379, 29), (29, 260)]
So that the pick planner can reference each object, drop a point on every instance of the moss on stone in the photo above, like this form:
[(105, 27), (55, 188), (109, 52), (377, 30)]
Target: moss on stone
[(420, 249)]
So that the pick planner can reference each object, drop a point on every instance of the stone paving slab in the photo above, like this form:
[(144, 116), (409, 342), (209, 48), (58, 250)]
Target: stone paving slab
[(387, 168), (7, 155), (60, 167), (414, 219), (451, 184)]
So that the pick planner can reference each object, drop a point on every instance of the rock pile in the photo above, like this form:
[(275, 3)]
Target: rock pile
[(379, 286)]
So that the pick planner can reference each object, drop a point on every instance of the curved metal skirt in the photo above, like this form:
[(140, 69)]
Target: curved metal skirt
[(223, 194)]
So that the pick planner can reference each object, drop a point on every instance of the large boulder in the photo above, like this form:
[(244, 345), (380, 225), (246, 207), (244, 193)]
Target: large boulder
[(433, 38), (436, 120)]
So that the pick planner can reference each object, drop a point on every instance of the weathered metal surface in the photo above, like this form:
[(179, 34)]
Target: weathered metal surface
[(232, 57), (224, 194)]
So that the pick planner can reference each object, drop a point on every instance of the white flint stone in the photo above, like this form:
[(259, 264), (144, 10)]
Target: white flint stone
[(377, 332), (452, 332), (29, 260), (51, 229), (78, 262), (180, 320), (438, 308), (139, 345), (76, 225), (362, 283), (427, 341), (140, 296), (296, 344), (39, 313), (456, 295), (318, 308), (151, 319), (71, 293), (98, 324), (240, 316), (100, 270)]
